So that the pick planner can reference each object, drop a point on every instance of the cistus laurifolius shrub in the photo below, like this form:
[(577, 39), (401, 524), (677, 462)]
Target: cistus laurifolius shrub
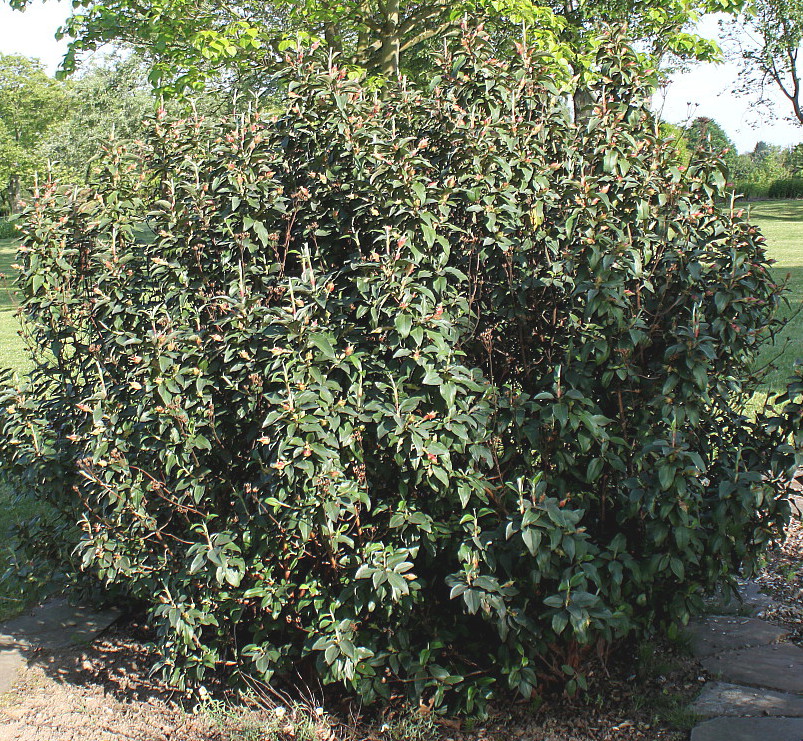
[(423, 392)]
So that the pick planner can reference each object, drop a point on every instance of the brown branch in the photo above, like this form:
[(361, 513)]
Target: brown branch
[(425, 35), (424, 14)]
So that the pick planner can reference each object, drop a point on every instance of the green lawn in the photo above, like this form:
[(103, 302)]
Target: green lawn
[(782, 224), (14, 591), (11, 348)]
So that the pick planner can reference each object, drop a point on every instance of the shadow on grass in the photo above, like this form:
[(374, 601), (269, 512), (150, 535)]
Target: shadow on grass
[(787, 212), (787, 346)]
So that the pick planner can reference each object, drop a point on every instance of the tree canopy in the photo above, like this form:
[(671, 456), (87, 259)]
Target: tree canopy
[(188, 42), (31, 102)]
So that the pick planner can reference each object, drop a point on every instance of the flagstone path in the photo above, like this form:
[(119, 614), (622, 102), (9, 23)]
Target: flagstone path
[(758, 694), (51, 626)]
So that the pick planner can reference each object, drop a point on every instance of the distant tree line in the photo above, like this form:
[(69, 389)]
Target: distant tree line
[(769, 170), (62, 126)]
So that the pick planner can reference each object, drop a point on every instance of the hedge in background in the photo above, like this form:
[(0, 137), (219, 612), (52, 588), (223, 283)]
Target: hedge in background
[(424, 393), (7, 229), (749, 191), (788, 188)]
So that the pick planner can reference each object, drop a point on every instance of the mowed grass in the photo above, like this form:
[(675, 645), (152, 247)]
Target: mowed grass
[(12, 351), (781, 222), (15, 506)]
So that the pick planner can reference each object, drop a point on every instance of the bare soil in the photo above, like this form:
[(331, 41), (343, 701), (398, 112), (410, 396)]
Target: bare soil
[(100, 693), (103, 692)]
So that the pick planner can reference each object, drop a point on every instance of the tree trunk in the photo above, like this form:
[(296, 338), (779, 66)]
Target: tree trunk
[(387, 58), (583, 100), (13, 194)]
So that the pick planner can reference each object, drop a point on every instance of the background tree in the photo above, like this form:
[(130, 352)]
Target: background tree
[(30, 104), (794, 161), (768, 45), (706, 134), (770, 162), (13, 162), (107, 102), (188, 43)]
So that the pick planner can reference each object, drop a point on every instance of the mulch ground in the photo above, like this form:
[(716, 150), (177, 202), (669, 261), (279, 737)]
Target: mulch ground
[(782, 579)]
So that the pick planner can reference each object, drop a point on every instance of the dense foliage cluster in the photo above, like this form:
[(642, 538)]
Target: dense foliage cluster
[(786, 188), (7, 230), (421, 393)]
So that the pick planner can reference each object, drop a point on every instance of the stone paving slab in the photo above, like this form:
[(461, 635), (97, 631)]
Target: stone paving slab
[(750, 602), (753, 599), (749, 729), (718, 633), (777, 667), (55, 624), (720, 698), (11, 660)]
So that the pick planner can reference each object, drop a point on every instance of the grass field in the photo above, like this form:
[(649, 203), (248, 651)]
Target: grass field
[(13, 592), (782, 225), (11, 348)]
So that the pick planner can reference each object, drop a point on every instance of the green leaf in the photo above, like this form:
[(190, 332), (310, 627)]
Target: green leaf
[(449, 393), (322, 342), (403, 324), (532, 539)]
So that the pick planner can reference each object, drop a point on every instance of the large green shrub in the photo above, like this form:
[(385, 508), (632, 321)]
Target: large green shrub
[(424, 392)]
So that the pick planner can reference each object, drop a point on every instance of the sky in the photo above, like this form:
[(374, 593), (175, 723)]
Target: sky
[(32, 32), (704, 90)]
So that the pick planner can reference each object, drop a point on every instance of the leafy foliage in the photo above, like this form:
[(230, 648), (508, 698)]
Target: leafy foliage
[(769, 171), (191, 44), (750, 190), (105, 102), (7, 229), (30, 103), (423, 394), (786, 188), (706, 134)]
